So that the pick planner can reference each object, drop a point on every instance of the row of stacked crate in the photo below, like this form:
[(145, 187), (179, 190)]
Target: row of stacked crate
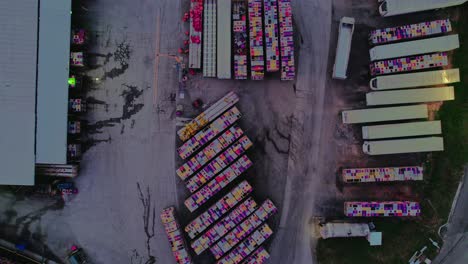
[(239, 20), (219, 163), (209, 132), (220, 229), (175, 236), (258, 257), (248, 246), (214, 148), (357, 175), (406, 32), (219, 182), (243, 230), (406, 64), (271, 35), (217, 210), (286, 40), (209, 39), (382, 209), (196, 29), (210, 114), (257, 65)]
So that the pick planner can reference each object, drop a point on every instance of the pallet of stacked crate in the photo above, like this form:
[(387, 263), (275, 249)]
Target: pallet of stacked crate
[(209, 39), (271, 35), (406, 64), (218, 183), (209, 132), (358, 175), (239, 28), (407, 32), (248, 246), (219, 163), (382, 209), (258, 257), (217, 210), (286, 40), (175, 236), (241, 231), (220, 229), (210, 114), (196, 30), (257, 64), (209, 152)]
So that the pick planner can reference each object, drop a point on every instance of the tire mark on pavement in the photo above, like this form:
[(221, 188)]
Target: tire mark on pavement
[(149, 220)]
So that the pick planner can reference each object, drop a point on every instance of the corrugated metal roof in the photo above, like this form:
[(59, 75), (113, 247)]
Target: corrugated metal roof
[(18, 45), (52, 86)]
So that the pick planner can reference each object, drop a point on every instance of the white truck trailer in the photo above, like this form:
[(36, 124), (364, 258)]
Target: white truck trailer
[(343, 48), (415, 47), (399, 146), (223, 53), (408, 96), (399, 7), (384, 114), (412, 129), (418, 79)]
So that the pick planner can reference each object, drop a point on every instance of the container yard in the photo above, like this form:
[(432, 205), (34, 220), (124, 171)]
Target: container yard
[(288, 70), (382, 209), (196, 33), (257, 64), (407, 64), (239, 29), (270, 8), (175, 236), (389, 174)]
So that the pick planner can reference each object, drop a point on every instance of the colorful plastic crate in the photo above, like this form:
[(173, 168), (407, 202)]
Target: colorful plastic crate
[(196, 30), (406, 32), (258, 257), (209, 132), (217, 184), (407, 64), (175, 236), (286, 40), (239, 28), (382, 209), (220, 229), (257, 64), (77, 59), (216, 211), (78, 36), (209, 38), (271, 35), (357, 175), (219, 163)]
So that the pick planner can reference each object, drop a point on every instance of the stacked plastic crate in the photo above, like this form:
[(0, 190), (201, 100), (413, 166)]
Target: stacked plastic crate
[(382, 209), (217, 184), (258, 257), (248, 246), (175, 236), (239, 20), (196, 29), (243, 230), (406, 32), (407, 64), (78, 36), (271, 35), (257, 64), (209, 132), (209, 39), (286, 40), (220, 229), (358, 175), (217, 210)]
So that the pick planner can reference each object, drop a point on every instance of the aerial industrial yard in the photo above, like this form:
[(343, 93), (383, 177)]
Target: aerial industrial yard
[(242, 131)]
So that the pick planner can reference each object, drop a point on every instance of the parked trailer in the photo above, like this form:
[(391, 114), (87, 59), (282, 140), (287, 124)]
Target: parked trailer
[(415, 47), (417, 79), (175, 236), (209, 39), (389, 174), (412, 129), (288, 69), (400, 7), (421, 95), (239, 28), (398, 146), (382, 209), (384, 114), (224, 39), (343, 48), (257, 64), (57, 170), (271, 35), (196, 30), (407, 64)]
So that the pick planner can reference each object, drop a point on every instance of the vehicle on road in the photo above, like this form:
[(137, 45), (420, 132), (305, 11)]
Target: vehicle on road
[(343, 48), (411, 129), (408, 96), (77, 256), (418, 79), (414, 145), (399, 7), (384, 114)]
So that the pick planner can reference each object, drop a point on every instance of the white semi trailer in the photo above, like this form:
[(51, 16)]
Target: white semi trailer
[(418, 79), (399, 146), (343, 48), (399, 7), (408, 96), (384, 114), (415, 47), (411, 129)]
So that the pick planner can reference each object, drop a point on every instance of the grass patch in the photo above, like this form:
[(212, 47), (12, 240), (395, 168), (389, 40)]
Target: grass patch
[(401, 238)]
